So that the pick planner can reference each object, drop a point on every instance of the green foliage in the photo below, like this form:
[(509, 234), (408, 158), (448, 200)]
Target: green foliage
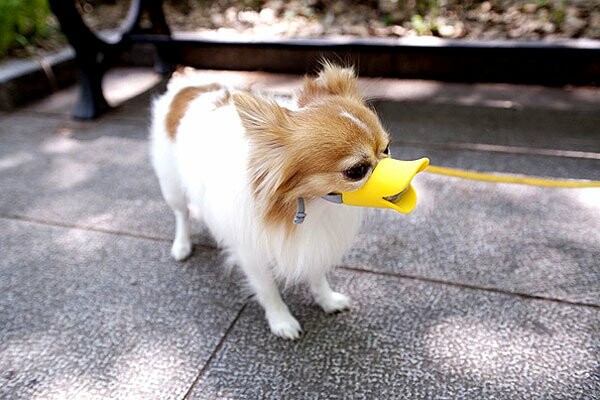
[(387, 20), (419, 25), (558, 13), (423, 26), (21, 22)]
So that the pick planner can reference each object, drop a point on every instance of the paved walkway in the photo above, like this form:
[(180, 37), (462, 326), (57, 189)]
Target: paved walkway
[(484, 291)]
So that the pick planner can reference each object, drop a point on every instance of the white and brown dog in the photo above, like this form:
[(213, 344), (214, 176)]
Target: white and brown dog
[(247, 162)]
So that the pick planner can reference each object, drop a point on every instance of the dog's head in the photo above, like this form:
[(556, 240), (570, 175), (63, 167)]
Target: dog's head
[(331, 143)]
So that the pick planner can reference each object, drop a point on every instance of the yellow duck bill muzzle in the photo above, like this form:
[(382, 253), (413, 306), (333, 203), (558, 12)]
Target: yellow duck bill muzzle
[(387, 187)]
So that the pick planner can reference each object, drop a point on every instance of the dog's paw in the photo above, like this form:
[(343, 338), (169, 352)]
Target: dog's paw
[(285, 326), (181, 249), (334, 302)]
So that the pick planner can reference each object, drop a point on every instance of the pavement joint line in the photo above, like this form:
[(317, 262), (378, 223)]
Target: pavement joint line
[(24, 218), (216, 350), (493, 148), (471, 287)]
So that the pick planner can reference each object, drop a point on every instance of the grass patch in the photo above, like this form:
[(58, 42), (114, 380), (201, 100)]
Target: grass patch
[(26, 26)]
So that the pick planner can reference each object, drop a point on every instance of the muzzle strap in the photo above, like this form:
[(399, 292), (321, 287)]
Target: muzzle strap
[(333, 198)]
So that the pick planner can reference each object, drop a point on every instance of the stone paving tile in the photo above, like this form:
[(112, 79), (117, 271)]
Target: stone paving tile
[(93, 175), (405, 339), (92, 315), (496, 96)]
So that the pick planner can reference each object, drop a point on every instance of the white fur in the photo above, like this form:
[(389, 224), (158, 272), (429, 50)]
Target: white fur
[(206, 166), (357, 121)]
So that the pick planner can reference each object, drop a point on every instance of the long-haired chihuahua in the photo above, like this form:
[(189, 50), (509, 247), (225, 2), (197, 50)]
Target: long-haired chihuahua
[(261, 172)]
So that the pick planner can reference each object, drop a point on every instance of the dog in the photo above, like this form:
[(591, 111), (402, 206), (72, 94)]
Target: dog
[(259, 170)]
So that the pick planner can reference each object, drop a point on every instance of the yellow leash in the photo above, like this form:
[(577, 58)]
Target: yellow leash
[(518, 179)]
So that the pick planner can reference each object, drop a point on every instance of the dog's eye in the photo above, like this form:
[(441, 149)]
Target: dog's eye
[(357, 172), (387, 150)]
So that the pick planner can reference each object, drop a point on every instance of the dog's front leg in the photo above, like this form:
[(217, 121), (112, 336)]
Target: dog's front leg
[(260, 278), (324, 296)]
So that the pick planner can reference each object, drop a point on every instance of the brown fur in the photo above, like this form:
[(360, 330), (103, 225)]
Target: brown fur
[(332, 80), (180, 104), (304, 153)]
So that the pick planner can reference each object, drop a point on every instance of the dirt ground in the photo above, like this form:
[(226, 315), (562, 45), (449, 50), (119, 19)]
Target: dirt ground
[(491, 20)]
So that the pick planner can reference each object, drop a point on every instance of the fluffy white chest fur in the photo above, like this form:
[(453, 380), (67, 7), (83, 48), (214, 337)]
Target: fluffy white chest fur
[(203, 157)]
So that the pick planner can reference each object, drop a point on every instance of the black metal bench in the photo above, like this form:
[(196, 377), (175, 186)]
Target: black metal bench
[(556, 63)]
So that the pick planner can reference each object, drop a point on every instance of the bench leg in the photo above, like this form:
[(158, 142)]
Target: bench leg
[(91, 102), (94, 56)]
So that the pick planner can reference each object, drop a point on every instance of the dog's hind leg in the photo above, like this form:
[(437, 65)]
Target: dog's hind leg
[(172, 191), (176, 199), (182, 245)]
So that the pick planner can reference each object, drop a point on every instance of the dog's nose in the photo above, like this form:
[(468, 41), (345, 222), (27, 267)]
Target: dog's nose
[(389, 186)]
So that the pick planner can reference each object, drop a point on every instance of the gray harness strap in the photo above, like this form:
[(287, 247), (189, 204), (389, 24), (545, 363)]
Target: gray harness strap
[(300, 214)]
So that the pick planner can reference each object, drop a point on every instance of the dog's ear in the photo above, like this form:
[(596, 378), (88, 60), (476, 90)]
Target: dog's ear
[(260, 115), (268, 128), (332, 80)]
